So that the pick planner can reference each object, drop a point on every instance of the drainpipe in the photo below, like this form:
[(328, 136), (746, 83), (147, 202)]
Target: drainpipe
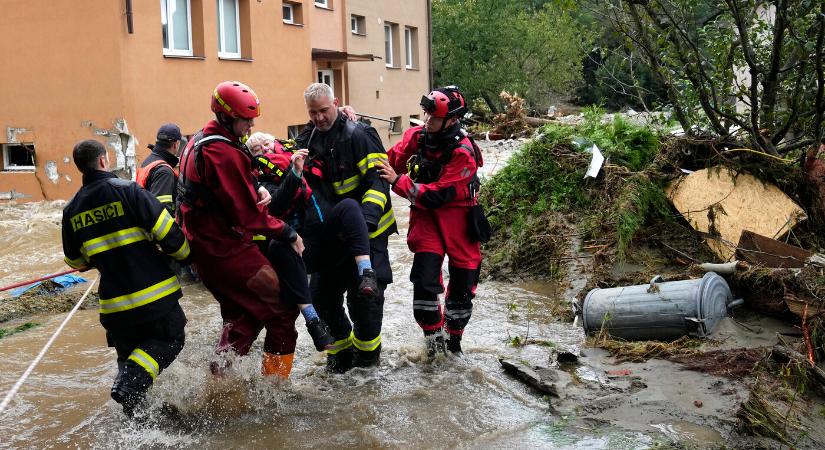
[(430, 41), (129, 25)]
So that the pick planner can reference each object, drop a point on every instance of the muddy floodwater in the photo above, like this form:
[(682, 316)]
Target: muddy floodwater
[(407, 402)]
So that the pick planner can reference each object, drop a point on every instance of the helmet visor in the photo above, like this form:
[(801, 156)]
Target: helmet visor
[(427, 104)]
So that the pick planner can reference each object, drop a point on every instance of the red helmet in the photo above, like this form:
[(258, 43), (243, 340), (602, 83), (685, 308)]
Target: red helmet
[(444, 102), (236, 99)]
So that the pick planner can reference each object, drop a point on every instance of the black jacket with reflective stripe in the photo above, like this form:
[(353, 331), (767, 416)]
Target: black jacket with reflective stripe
[(162, 181), (123, 231)]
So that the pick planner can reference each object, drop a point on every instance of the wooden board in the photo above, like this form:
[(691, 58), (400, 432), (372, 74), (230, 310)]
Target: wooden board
[(767, 252), (715, 202)]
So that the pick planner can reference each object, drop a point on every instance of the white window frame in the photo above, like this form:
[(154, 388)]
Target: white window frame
[(408, 42), (388, 44), (291, 8), (322, 3), (170, 28), (221, 34), (324, 73), (355, 24), (7, 167)]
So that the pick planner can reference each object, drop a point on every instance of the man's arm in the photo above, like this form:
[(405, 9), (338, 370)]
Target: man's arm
[(158, 223), (453, 183), (369, 150), (162, 185), (71, 246)]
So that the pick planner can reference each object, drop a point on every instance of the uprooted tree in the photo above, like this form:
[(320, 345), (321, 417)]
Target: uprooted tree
[(748, 72)]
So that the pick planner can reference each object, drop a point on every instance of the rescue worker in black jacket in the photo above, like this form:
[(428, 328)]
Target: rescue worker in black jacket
[(158, 173), (123, 231), (341, 165)]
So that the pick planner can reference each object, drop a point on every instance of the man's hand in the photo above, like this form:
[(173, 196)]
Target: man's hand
[(349, 112), (386, 172), (298, 245), (264, 197), (298, 159)]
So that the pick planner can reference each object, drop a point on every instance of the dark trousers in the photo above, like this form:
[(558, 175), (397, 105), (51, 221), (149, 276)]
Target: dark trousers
[(342, 235), (292, 273)]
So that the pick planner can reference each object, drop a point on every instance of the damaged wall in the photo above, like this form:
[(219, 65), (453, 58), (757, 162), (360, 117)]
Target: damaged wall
[(122, 144)]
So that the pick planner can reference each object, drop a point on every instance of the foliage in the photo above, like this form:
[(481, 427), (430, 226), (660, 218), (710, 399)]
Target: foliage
[(627, 145), (531, 47), (8, 332), (750, 73)]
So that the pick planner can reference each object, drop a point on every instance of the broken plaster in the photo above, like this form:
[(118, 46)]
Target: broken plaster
[(12, 195), (11, 134), (123, 144), (51, 171)]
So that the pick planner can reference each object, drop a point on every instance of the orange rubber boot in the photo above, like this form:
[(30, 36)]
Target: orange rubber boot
[(279, 365)]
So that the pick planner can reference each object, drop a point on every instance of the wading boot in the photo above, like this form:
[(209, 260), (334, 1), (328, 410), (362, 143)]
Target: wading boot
[(278, 365), (321, 337), (367, 359), (435, 343), (130, 386), (454, 345), (368, 287), (340, 362)]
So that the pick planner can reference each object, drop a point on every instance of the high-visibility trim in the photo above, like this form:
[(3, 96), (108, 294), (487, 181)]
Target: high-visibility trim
[(376, 197), (183, 252), (366, 346), (147, 362), (258, 237), (142, 297), (386, 221), (165, 198), (113, 240), (343, 344), (76, 263), (369, 161), (342, 187), (163, 225)]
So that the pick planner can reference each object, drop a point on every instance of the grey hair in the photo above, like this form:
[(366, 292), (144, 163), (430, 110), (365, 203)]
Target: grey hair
[(258, 138), (318, 91)]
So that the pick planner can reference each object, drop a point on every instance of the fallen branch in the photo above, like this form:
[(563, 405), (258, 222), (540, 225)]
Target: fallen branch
[(791, 355)]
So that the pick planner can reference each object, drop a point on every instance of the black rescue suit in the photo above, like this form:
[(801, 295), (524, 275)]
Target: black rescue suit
[(341, 165), (441, 184), (158, 175), (116, 227)]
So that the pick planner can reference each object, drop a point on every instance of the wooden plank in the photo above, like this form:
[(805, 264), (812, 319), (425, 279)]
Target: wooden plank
[(766, 252)]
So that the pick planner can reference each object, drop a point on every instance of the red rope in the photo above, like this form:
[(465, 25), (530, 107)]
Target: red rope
[(48, 277)]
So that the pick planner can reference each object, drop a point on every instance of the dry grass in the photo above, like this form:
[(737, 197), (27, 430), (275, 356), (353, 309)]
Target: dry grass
[(641, 351), (760, 417)]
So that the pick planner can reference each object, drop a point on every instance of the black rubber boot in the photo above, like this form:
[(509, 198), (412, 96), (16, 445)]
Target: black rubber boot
[(341, 361), (130, 386), (320, 334), (435, 343), (368, 287), (367, 359), (454, 345)]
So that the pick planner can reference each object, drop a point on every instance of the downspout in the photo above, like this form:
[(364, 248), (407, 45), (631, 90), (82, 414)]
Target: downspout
[(430, 41), (129, 26)]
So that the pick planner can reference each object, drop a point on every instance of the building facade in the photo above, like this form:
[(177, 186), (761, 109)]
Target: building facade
[(115, 70)]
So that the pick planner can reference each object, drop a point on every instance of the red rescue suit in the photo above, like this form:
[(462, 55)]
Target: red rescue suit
[(439, 225), (219, 214)]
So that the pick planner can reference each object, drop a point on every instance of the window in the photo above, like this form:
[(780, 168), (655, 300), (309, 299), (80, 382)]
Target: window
[(17, 156), (176, 26), (292, 131), (323, 4), (395, 126), (292, 13), (289, 16), (358, 25), (229, 29), (391, 44), (411, 47), (327, 77), (415, 120)]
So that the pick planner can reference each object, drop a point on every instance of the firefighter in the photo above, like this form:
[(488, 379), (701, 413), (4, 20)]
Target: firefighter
[(158, 173), (341, 169), (434, 166), (220, 208), (116, 227)]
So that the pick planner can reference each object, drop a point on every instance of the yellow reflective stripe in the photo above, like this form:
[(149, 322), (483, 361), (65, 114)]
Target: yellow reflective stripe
[(147, 362), (76, 263), (343, 344), (369, 162), (386, 221), (258, 237), (182, 252), (342, 187), (165, 198), (113, 240), (141, 297), (376, 197), (366, 346), (163, 225)]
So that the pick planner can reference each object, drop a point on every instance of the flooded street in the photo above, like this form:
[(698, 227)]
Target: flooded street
[(407, 402)]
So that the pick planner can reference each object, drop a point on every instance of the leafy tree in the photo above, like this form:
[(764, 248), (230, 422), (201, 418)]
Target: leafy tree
[(532, 47), (747, 71)]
